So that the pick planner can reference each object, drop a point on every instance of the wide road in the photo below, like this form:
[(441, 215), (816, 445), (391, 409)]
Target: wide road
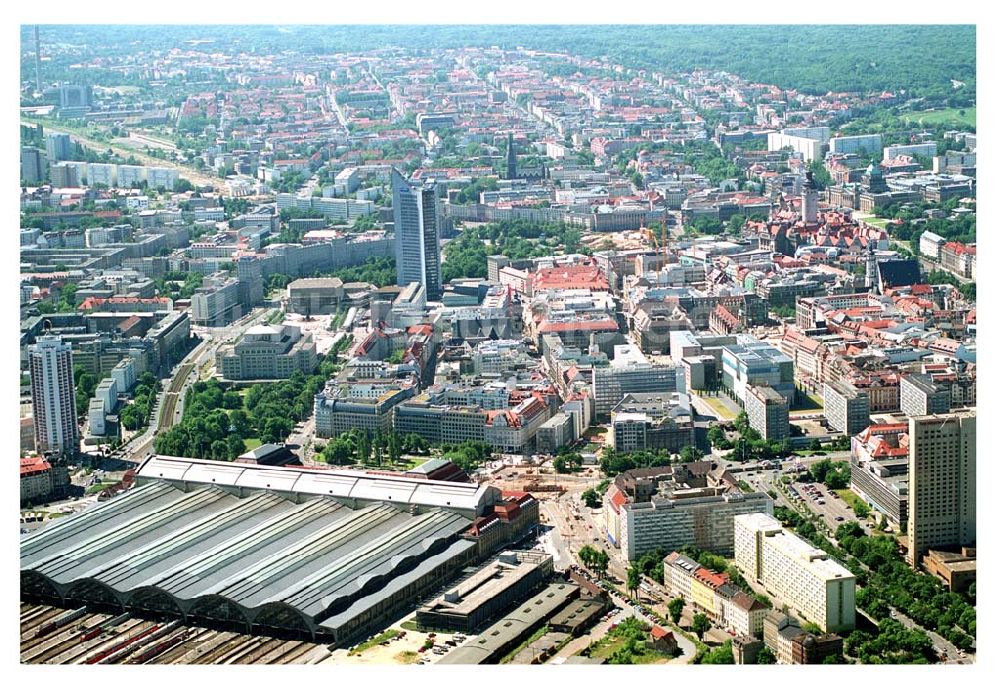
[(170, 408), (193, 175)]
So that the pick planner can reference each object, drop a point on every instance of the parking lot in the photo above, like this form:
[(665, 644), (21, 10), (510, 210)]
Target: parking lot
[(821, 500), (407, 646)]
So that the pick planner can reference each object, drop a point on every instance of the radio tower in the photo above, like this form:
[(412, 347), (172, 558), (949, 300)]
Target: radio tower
[(38, 62)]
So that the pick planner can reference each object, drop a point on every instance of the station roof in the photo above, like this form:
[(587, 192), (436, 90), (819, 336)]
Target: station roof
[(348, 486), (261, 557)]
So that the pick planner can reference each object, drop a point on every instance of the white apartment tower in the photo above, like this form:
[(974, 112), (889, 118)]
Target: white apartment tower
[(796, 573), (53, 396)]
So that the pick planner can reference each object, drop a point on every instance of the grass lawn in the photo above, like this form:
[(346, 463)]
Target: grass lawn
[(407, 657), (606, 647), (537, 634), (808, 403), (375, 640), (720, 408), (941, 116), (414, 461), (412, 626), (98, 488), (848, 496), (251, 443)]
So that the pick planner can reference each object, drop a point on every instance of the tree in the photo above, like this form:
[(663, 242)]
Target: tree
[(766, 657), (591, 499), (567, 463), (690, 454), (633, 580), (861, 509), (338, 452), (395, 448), (720, 655), (700, 624), (676, 609)]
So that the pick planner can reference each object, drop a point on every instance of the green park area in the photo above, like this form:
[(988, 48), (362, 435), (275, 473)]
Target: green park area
[(625, 645), (948, 117), (720, 408)]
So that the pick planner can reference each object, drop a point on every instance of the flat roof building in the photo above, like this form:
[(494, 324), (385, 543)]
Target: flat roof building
[(796, 573), (942, 471), (767, 412), (507, 578), (268, 352)]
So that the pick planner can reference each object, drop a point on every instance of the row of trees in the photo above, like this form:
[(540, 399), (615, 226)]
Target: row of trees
[(613, 462), (890, 581), (136, 414), (468, 455), (596, 560)]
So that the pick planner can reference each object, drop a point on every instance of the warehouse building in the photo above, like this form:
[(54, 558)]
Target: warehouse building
[(511, 577), (327, 555), (500, 639)]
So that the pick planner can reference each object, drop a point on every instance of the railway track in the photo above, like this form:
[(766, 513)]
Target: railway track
[(294, 654), (170, 397), (53, 635), (221, 651)]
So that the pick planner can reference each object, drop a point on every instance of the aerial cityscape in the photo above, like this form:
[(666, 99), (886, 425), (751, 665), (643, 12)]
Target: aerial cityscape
[(481, 345)]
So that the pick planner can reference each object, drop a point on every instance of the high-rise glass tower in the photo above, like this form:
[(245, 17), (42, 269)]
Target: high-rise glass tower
[(416, 213)]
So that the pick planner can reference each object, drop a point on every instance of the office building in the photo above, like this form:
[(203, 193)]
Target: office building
[(129, 176), (32, 165), (53, 396), (629, 371), (794, 572), (58, 147), (921, 395), (102, 174), (216, 302), (767, 412), (41, 480), (161, 178), (880, 469), (810, 149), (315, 296), (268, 352), (863, 145), (680, 515), (792, 645), (482, 596), (71, 96), (418, 244), (942, 487), (846, 408), (918, 150), (753, 362), (652, 421), (65, 175), (366, 405)]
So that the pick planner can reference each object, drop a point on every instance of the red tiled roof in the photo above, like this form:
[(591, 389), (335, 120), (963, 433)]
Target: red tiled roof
[(34, 465)]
